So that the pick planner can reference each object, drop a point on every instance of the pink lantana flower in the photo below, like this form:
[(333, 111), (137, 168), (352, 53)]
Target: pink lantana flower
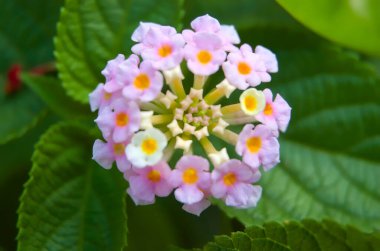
[(105, 153), (164, 50), (99, 98), (198, 207), (142, 83), (141, 31), (191, 177), (245, 68), (119, 120), (208, 24), (205, 55), (276, 114), (111, 69), (146, 183), (268, 57), (258, 146), (232, 182)]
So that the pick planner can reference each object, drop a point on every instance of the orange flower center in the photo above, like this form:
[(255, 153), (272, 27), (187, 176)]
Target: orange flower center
[(142, 82), (254, 144), (122, 119), (118, 149), (244, 68), (154, 176), (229, 179), (165, 51), (190, 176), (204, 57), (107, 95), (268, 109), (250, 103), (149, 146)]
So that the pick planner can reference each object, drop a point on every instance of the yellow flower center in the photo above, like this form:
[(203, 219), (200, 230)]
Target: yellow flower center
[(122, 119), (229, 179), (118, 149), (154, 176), (250, 103), (149, 146), (142, 82), (268, 109), (254, 144), (204, 57), (165, 51), (107, 95), (190, 176), (244, 68)]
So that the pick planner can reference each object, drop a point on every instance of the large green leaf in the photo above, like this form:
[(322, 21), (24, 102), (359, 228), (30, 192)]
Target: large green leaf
[(308, 235), (70, 203), (352, 23), (91, 32), (330, 160), (52, 93)]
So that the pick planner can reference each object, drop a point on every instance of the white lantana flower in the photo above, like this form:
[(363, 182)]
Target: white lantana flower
[(146, 148)]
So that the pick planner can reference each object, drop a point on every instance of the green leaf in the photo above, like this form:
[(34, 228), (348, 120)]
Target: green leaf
[(50, 90), (305, 235), (19, 112), (70, 203), (355, 24), (330, 153), (91, 32)]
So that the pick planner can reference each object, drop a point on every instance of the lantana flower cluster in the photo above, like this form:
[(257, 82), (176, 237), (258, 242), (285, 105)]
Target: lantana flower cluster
[(146, 114)]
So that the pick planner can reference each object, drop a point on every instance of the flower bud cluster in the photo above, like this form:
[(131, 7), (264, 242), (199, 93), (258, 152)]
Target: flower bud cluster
[(145, 115)]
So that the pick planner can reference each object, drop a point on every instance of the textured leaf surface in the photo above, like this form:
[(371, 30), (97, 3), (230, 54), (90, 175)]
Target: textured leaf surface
[(307, 235), (352, 23), (330, 157), (92, 32), (50, 90), (69, 203)]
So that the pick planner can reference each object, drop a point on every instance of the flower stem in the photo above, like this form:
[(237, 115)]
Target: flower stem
[(228, 136), (199, 81), (177, 87), (207, 145), (161, 119)]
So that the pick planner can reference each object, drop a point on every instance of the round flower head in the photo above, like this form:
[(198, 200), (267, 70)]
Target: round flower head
[(177, 118), (191, 177), (146, 148), (245, 68), (258, 146), (105, 153), (164, 50), (146, 183), (252, 101), (99, 98), (276, 114), (111, 69), (232, 182), (142, 83), (119, 120)]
